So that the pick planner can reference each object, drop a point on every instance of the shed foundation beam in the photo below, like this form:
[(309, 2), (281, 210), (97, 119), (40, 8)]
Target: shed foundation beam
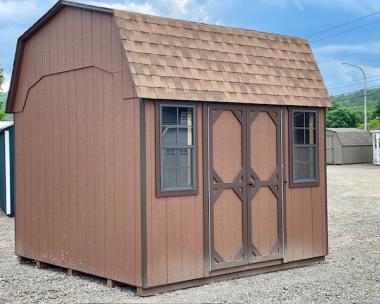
[(23, 260), (71, 272), (113, 284), (41, 265)]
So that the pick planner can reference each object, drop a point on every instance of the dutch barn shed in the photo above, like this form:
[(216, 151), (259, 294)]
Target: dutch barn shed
[(348, 146), (172, 154)]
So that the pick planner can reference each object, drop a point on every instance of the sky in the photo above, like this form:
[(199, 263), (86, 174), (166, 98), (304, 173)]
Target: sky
[(327, 24)]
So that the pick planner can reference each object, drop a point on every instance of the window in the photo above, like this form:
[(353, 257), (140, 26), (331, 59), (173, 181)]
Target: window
[(177, 151), (304, 148)]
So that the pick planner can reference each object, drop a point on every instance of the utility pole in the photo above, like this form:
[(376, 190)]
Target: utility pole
[(365, 91)]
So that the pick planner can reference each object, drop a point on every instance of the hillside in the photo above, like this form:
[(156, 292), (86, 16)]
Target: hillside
[(354, 101)]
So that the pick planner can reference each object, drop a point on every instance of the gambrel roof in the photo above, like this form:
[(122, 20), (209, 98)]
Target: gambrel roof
[(352, 136), (182, 60)]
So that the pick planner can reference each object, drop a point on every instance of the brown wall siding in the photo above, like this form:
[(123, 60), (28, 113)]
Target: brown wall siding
[(306, 208), (174, 224), (77, 150)]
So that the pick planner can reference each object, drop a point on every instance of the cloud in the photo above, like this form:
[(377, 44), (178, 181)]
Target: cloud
[(357, 6), (185, 9), (18, 11), (6, 84), (145, 7), (368, 48)]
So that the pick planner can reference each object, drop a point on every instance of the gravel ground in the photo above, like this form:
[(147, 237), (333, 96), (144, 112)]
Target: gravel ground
[(351, 273)]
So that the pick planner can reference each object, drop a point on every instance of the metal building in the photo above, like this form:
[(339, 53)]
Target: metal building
[(6, 167), (348, 146), (172, 154)]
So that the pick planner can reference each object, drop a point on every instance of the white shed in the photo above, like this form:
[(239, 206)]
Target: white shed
[(376, 146), (348, 146)]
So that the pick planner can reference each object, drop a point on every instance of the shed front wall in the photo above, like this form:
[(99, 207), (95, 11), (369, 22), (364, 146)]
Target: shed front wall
[(174, 224), (306, 207), (77, 149), (176, 228)]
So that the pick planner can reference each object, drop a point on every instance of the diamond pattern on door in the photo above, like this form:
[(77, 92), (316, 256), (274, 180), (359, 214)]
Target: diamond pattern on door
[(264, 215), (228, 226), (227, 158)]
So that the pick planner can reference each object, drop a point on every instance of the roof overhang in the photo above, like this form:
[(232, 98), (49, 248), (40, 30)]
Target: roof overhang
[(30, 32)]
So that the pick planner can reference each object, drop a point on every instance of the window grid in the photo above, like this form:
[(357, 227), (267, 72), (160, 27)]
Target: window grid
[(304, 154), (185, 123)]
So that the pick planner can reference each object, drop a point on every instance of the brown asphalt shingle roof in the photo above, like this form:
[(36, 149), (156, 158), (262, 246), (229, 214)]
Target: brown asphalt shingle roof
[(183, 60)]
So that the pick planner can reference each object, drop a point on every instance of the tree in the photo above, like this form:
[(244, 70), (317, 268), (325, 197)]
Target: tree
[(376, 113), (2, 113), (338, 117)]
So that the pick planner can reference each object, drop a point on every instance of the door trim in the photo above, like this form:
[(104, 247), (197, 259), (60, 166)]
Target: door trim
[(207, 158), (275, 180)]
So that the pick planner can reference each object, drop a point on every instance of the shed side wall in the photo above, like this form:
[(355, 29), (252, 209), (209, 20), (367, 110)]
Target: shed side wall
[(77, 150), (357, 154), (306, 222), (174, 224)]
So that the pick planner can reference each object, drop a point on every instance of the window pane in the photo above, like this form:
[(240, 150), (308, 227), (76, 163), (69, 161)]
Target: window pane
[(169, 116), (185, 136), (169, 136), (170, 178), (185, 116), (310, 136), (304, 163), (169, 158), (184, 177), (299, 136), (310, 119), (299, 119), (185, 158)]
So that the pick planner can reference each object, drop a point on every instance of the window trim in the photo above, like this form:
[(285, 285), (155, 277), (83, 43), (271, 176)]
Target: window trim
[(307, 182), (158, 157)]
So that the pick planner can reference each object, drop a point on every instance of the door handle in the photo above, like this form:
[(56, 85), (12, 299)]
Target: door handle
[(252, 184)]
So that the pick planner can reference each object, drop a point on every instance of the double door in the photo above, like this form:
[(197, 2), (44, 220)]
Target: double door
[(245, 185)]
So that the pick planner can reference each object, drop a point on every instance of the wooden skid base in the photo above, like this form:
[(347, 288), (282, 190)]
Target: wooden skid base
[(217, 276), (23, 260), (144, 292)]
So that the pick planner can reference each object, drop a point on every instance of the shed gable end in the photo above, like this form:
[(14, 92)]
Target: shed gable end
[(73, 39)]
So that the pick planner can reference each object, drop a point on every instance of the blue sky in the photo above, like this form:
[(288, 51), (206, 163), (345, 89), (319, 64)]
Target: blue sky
[(301, 18)]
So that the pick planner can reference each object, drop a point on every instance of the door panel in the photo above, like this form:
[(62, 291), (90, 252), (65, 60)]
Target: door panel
[(264, 178), (227, 186), (245, 185)]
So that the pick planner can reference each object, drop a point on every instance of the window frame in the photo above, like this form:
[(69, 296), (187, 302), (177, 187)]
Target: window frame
[(305, 182), (160, 191)]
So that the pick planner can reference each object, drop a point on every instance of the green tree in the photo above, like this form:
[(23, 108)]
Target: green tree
[(2, 113), (376, 113), (338, 117)]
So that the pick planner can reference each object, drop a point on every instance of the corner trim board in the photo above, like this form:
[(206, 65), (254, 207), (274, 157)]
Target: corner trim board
[(144, 250)]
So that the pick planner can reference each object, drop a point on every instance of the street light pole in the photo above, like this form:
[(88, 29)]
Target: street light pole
[(365, 91)]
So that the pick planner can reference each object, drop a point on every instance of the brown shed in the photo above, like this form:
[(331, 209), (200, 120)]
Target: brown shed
[(163, 153)]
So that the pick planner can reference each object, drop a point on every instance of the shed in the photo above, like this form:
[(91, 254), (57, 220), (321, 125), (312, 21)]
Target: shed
[(348, 146), (173, 153), (6, 167), (376, 146)]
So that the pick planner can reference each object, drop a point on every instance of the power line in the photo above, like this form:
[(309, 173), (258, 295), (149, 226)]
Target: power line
[(349, 81), (357, 96), (346, 31), (344, 24), (353, 83)]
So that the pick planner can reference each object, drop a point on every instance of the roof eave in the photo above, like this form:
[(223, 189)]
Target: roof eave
[(30, 32)]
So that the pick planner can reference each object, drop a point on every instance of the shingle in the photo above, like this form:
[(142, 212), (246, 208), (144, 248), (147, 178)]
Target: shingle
[(175, 59)]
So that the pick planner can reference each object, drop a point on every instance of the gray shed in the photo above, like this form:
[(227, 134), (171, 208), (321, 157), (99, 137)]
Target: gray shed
[(348, 146)]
